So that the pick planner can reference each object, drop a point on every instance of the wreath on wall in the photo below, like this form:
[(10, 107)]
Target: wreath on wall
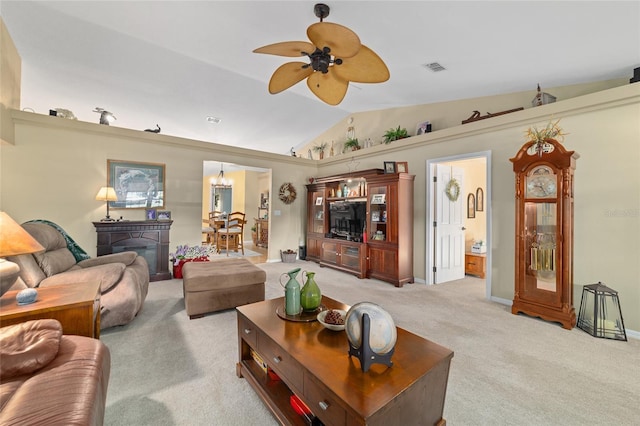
[(452, 190), (287, 193)]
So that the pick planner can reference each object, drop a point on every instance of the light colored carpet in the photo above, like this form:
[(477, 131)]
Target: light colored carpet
[(507, 369)]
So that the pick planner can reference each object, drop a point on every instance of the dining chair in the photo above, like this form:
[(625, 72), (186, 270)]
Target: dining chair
[(231, 236)]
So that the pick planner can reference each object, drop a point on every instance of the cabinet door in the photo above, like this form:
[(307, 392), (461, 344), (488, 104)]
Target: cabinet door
[(330, 252), (314, 246), (378, 214), (350, 257), (541, 261), (316, 207), (383, 262)]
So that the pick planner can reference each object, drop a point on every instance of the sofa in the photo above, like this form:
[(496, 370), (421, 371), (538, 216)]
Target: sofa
[(47, 378), (123, 277)]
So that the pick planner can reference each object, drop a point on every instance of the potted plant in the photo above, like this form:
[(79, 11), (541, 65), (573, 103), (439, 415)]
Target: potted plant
[(395, 134), (320, 149), (351, 144), (184, 254)]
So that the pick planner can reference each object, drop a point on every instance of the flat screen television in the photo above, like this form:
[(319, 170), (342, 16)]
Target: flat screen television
[(347, 219)]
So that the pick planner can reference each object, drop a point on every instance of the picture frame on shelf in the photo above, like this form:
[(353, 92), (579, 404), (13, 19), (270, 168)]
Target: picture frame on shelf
[(137, 185), (378, 198), (389, 167), (375, 216), (422, 128), (479, 199), (471, 206), (151, 214), (402, 167), (164, 215), (318, 201)]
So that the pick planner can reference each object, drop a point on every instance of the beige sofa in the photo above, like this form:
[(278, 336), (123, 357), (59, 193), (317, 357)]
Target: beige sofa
[(47, 378), (124, 277)]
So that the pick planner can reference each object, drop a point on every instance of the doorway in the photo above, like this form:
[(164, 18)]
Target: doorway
[(467, 220)]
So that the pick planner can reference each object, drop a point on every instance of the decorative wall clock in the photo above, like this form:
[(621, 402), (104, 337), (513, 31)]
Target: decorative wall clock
[(287, 193)]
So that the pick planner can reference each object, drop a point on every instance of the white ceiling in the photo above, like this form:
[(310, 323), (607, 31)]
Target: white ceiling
[(174, 63)]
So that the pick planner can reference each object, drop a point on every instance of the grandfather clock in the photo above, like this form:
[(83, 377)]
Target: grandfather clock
[(544, 231)]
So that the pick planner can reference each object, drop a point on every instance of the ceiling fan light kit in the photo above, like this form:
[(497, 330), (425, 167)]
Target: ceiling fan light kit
[(336, 57)]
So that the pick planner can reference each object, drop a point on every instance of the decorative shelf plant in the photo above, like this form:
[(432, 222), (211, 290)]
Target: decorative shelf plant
[(395, 134), (320, 148)]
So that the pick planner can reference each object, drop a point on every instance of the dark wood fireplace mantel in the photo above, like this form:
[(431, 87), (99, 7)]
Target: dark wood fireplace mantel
[(148, 238)]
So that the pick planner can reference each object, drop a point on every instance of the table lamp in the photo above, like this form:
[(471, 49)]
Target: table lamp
[(107, 194), (14, 240)]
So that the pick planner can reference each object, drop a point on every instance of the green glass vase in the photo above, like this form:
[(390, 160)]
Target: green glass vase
[(310, 295)]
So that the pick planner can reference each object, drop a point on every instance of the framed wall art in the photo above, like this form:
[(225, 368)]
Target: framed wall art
[(479, 200), (389, 167), (137, 185), (164, 215), (471, 206)]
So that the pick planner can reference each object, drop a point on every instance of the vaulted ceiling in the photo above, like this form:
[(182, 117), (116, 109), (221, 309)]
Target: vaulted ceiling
[(175, 63)]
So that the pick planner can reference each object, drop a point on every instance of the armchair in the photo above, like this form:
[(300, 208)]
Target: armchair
[(123, 277)]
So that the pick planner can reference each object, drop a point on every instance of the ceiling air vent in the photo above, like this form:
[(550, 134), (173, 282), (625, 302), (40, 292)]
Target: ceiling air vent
[(434, 66)]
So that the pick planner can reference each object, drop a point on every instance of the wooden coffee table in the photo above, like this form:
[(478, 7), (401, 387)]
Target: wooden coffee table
[(76, 306), (314, 363)]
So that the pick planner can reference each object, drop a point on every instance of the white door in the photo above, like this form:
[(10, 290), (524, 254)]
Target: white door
[(449, 229)]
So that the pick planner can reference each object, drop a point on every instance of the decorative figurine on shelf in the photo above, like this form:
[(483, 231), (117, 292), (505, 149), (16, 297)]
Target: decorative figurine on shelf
[(345, 190), (291, 292), (156, 130), (310, 295)]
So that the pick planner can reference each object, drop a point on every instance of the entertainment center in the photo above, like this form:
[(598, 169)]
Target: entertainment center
[(362, 223)]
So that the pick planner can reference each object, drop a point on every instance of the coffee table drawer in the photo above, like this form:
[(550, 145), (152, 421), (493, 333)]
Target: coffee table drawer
[(323, 404), (247, 331), (280, 361)]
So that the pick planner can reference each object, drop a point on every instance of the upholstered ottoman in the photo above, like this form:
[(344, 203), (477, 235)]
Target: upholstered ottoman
[(221, 284)]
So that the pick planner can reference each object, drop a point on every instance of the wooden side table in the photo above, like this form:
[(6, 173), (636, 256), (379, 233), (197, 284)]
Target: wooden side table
[(76, 306), (475, 264)]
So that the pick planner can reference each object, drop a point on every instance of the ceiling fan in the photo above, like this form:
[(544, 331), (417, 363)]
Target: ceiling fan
[(335, 55)]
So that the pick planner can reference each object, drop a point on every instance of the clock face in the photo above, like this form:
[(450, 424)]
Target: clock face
[(541, 183)]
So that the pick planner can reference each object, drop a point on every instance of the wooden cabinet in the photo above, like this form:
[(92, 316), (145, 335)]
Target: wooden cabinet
[(149, 238), (362, 223), (544, 232), (475, 264), (390, 228), (313, 364)]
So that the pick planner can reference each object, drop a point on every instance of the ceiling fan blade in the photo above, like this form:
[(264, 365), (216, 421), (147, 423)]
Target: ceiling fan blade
[(287, 75), (287, 48), (328, 87), (343, 42), (365, 67)]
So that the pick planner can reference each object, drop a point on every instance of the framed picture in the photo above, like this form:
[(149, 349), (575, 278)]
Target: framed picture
[(375, 216), (402, 167), (164, 215), (422, 128), (479, 200), (318, 201), (137, 185), (389, 166), (471, 206), (378, 198), (150, 214)]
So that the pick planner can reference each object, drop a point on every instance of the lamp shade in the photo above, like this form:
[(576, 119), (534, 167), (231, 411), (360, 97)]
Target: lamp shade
[(107, 193), (14, 240)]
